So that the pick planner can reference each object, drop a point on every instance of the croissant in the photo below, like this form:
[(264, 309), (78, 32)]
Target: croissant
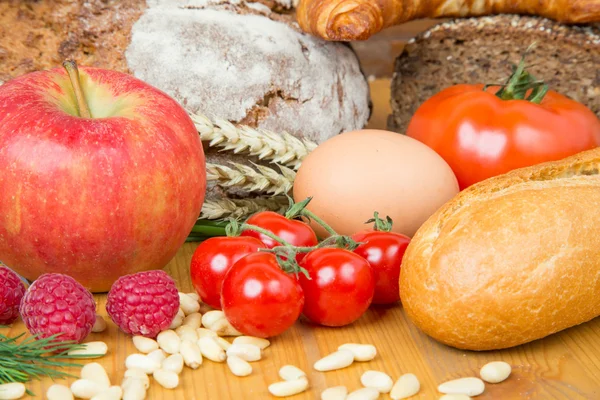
[(347, 20)]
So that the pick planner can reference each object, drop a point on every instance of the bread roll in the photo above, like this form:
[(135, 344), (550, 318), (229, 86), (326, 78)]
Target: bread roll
[(509, 260)]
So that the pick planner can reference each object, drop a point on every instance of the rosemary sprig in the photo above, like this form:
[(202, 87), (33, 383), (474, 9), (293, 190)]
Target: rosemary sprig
[(34, 357)]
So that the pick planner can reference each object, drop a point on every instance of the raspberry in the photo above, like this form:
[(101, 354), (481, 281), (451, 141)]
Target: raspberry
[(144, 303), (57, 303), (11, 292)]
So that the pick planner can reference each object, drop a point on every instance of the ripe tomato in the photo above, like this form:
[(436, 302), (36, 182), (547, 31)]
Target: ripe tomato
[(481, 135), (340, 289), (258, 298), (211, 261), (384, 252), (293, 231)]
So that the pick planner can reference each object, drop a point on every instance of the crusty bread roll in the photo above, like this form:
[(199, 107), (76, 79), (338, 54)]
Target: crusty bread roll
[(512, 259)]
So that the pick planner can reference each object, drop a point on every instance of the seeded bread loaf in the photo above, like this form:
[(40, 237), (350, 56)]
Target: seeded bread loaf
[(482, 50), (509, 260)]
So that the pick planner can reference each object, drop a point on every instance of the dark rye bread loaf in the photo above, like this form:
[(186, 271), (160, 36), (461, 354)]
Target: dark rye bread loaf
[(482, 50)]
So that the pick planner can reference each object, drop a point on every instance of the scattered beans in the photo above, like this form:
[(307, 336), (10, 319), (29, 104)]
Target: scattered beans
[(258, 342), (406, 386), (468, 386), (174, 363), (86, 389), (224, 344), (134, 390), (11, 391), (191, 354), (362, 352), (166, 379), (202, 332), (99, 325), (290, 372), (222, 327), (143, 362), (193, 320), (169, 341), (238, 366), (209, 318), (187, 332), (338, 360), (187, 304), (335, 393), (145, 345), (112, 393), (59, 392), (158, 355), (455, 397), (248, 352), (95, 372), (288, 388), (91, 350), (211, 350), (194, 296), (364, 394), (377, 380), (177, 320), (495, 372), (139, 374)]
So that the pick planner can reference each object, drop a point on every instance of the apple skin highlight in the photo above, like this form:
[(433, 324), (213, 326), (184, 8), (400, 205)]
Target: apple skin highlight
[(95, 198)]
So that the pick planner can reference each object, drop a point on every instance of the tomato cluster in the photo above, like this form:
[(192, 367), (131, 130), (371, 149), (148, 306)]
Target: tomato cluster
[(261, 292)]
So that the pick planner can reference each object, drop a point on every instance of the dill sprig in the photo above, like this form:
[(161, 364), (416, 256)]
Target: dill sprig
[(35, 357)]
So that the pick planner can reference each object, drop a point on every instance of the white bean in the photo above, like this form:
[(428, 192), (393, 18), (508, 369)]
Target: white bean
[(99, 325), (248, 352), (134, 390), (166, 379), (194, 296), (143, 362), (406, 386), (187, 304), (290, 372), (169, 341), (209, 318), (364, 394), (335, 393), (173, 363), (202, 332), (211, 350), (144, 345), (338, 360), (90, 350), (377, 380), (222, 327), (139, 374), (258, 342), (59, 392), (193, 320), (95, 372), (224, 344), (192, 356), (86, 389), (469, 386), (362, 352), (158, 355), (495, 371), (177, 319), (11, 391), (112, 393), (238, 366), (455, 397), (288, 388), (186, 332)]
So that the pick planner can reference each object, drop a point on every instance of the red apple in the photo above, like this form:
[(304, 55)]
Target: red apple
[(101, 175)]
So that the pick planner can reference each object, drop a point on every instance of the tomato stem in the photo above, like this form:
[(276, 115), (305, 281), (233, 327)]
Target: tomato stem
[(299, 210), (381, 225), (248, 227)]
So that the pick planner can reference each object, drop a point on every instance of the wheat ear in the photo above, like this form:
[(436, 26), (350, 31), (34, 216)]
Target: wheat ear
[(241, 208), (265, 180), (283, 149)]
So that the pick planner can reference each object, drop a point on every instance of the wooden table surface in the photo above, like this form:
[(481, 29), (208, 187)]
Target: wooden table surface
[(563, 366)]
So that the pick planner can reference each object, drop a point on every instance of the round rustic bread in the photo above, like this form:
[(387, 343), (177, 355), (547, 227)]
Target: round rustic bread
[(483, 50)]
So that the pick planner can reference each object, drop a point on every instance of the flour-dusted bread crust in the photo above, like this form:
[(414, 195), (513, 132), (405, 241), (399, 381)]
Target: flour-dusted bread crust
[(510, 260), (483, 50), (246, 63)]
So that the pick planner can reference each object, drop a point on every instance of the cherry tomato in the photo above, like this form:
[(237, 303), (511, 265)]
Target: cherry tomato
[(258, 298), (481, 135), (384, 252), (340, 289), (293, 231), (211, 261)]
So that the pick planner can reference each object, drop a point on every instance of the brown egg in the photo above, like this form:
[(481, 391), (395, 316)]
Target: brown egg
[(354, 174)]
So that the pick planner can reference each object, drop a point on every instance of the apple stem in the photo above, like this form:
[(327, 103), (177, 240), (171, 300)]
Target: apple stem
[(71, 68)]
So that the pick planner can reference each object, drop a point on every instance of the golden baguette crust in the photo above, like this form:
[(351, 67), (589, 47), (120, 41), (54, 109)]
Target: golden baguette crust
[(347, 20), (510, 260)]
